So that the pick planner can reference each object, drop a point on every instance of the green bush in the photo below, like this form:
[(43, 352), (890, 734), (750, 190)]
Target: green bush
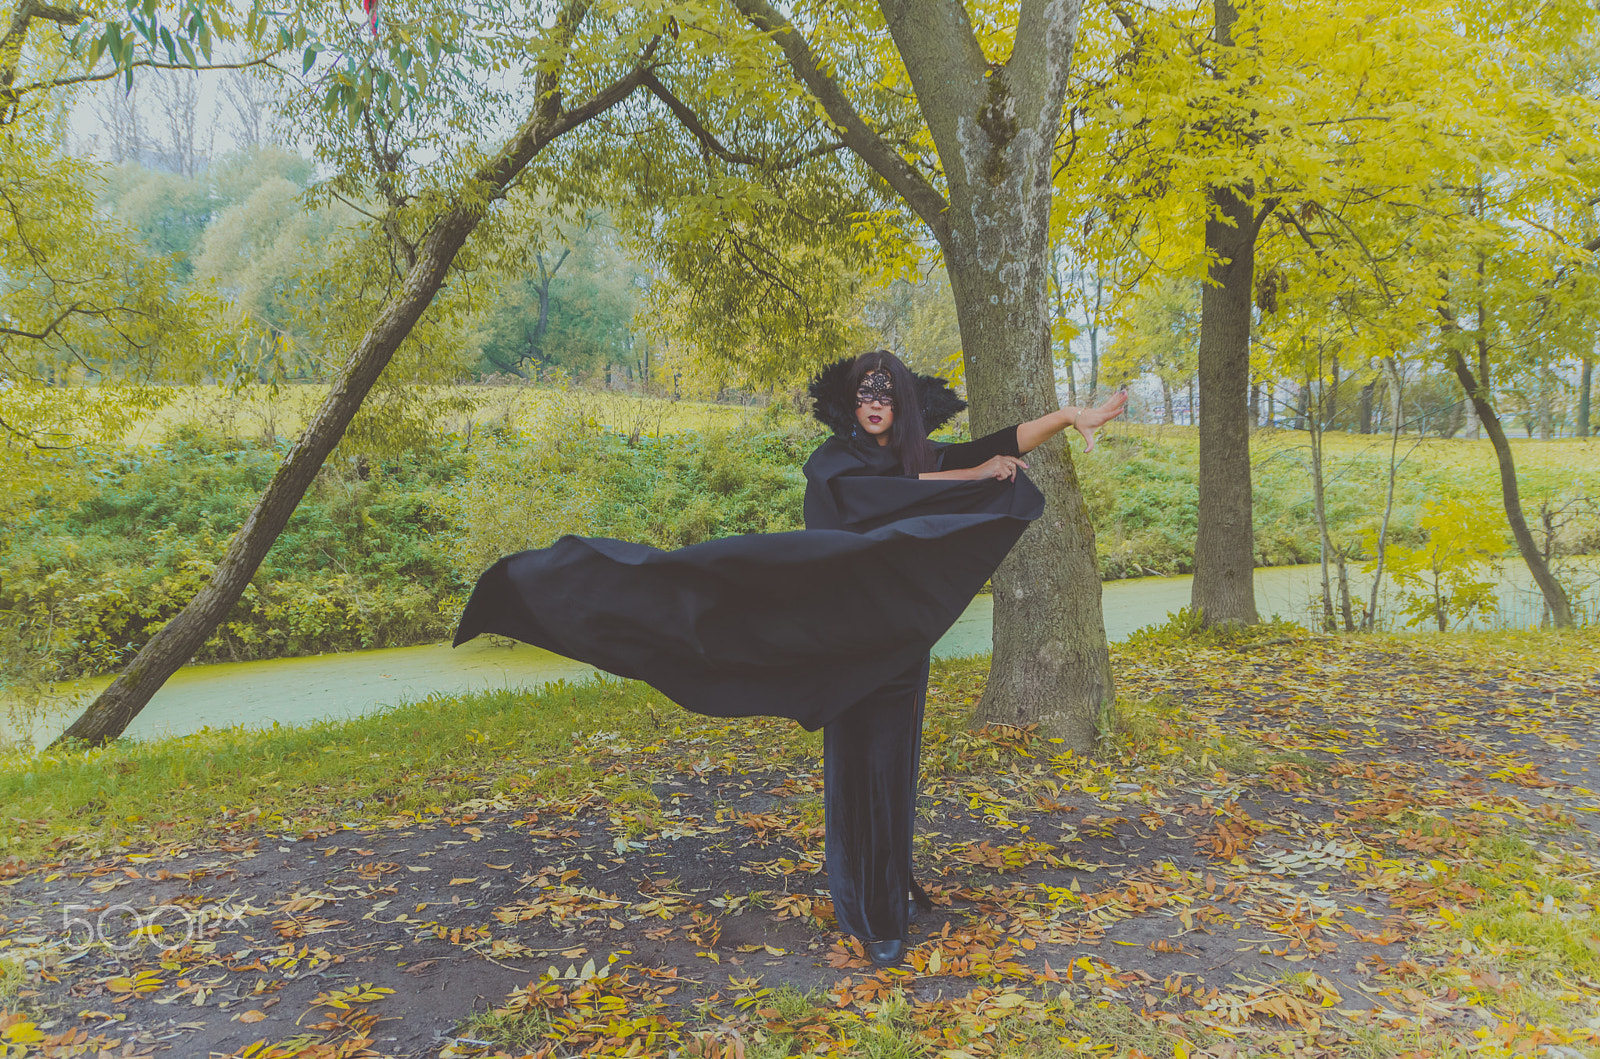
[(87, 578)]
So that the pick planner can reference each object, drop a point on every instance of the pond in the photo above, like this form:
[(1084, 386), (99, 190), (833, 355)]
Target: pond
[(293, 691)]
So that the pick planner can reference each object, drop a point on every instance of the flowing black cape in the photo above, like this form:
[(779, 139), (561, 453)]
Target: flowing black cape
[(801, 625)]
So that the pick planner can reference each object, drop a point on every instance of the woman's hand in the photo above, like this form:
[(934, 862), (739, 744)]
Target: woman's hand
[(1090, 420), (1087, 421), (1002, 467)]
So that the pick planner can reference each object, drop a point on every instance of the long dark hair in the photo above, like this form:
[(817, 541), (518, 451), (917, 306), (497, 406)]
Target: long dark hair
[(907, 436)]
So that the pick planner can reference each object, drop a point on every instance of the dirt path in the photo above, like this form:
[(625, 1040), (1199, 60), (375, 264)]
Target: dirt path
[(1406, 853)]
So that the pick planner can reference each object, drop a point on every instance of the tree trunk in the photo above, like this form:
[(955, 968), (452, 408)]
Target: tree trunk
[(1320, 512), (1328, 421), (1545, 412), (1585, 383), (1092, 325), (1555, 596), (995, 138), (1344, 593), (1061, 314), (1223, 591), (1050, 664), (1255, 404), (1366, 406), (1370, 620), (994, 127), (1166, 401), (178, 640), (541, 326)]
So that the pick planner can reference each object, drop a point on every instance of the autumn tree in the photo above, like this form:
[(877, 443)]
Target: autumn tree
[(376, 116), (972, 161), (952, 120)]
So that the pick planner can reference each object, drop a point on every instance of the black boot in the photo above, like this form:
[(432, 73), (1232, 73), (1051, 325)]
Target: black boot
[(886, 953)]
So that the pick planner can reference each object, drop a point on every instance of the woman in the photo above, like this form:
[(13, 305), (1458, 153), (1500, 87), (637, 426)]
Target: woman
[(829, 626), (872, 750)]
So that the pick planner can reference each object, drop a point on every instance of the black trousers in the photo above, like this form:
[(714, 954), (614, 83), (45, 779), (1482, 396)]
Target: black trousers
[(871, 760)]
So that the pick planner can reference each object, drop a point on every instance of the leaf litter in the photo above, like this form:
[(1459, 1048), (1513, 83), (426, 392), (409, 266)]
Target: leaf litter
[(1329, 847)]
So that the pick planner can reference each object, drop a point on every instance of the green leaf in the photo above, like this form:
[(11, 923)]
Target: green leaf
[(308, 60)]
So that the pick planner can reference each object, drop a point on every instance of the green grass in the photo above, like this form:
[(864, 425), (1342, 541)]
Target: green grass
[(421, 758)]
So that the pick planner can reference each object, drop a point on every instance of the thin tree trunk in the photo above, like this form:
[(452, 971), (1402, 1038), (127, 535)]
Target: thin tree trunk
[(1255, 404), (1555, 596), (1166, 401), (1333, 398), (541, 326), (1344, 593), (1585, 382), (1320, 512), (1544, 416), (1439, 611), (1366, 406), (178, 640), (1058, 286), (1371, 618), (1092, 325)]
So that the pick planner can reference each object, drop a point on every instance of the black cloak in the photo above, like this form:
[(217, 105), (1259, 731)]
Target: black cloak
[(801, 625)]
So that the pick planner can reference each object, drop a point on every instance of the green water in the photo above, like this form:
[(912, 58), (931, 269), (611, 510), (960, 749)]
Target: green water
[(293, 691)]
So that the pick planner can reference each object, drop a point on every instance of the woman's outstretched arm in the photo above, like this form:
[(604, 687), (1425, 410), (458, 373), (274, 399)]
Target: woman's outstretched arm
[(1032, 434), (1086, 421)]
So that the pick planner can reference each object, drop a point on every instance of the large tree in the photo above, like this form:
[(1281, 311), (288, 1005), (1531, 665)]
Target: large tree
[(990, 98), (579, 69)]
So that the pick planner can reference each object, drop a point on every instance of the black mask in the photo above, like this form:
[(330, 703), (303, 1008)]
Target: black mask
[(875, 386)]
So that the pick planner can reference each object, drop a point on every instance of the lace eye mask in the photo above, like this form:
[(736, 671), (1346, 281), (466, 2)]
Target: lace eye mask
[(875, 386)]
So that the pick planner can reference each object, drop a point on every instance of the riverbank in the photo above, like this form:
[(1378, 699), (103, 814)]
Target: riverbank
[(100, 549), (1338, 846), (302, 691)]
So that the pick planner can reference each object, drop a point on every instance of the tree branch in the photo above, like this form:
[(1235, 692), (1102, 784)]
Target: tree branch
[(909, 184), (148, 64), (691, 121)]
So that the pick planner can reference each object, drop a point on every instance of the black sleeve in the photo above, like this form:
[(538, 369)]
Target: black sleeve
[(971, 453)]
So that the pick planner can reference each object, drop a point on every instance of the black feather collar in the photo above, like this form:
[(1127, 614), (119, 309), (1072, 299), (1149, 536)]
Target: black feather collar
[(835, 399)]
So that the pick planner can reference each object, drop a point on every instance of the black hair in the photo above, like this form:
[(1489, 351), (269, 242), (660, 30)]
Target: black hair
[(833, 391), (907, 435)]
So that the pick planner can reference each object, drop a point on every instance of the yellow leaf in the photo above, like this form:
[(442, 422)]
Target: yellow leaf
[(253, 1015), (23, 1033), (463, 882)]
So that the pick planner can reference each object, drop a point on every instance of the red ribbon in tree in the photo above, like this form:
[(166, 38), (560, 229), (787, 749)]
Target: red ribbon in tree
[(371, 8)]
